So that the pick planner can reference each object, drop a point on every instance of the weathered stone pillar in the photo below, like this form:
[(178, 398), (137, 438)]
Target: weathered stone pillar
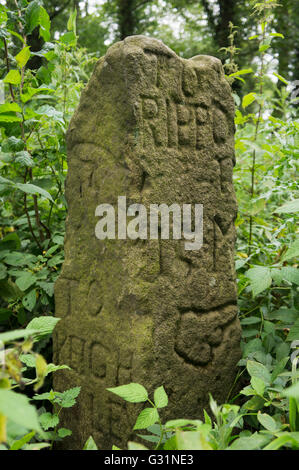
[(157, 129)]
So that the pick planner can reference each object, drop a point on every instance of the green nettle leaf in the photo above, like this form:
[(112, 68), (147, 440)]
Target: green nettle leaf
[(48, 420), (288, 207), (24, 159), (293, 251), (13, 77), (258, 385), (68, 398), (29, 300), (12, 144), (23, 56), (160, 397), (260, 278), (17, 408), (44, 325), (63, 432), (290, 274), (146, 418), (9, 108), (90, 444), (248, 99), (196, 440), (256, 369), (45, 24), (33, 189), (268, 422), (133, 392), (25, 281)]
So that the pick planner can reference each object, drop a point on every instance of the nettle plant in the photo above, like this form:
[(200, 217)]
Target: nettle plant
[(38, 104), (224, 429), (24, 425)]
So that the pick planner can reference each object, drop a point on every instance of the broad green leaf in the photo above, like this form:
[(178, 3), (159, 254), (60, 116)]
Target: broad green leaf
[(23, 56), (9, 108), (268, 422), (63, 432), (45, 24), (13, 77), (260, 278), (146, 418), (133, 392), (258, 385), (44, 325), (24, 159), (193, 440), (25, 281), (16, 407), (48, 420), (33, 189), (68, 398), (248, 99), (12, 144), (255, 441), (293, 251), (160, 397), (29, 300), (256, 369), (288, 207), (90, 444)]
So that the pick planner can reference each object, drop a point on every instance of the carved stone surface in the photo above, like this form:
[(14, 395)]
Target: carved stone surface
[(157, 129)]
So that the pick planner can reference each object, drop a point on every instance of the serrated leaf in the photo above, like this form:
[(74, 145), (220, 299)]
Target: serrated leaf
[(13, 77), (44, 325), (146, 418), (23, 56), (260, 278), (24, 159), (258, 385), (293, 251), (25, 281), (63, 432), (9, 108), (29, 300), (160, 397), (248, 99), (256, 369), (133, 392), (48, 420)]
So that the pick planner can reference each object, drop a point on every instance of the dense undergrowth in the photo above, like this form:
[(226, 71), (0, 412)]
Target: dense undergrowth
[(34, 116)]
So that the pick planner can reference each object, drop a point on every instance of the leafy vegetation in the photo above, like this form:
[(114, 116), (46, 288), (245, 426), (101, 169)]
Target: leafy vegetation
[(42, 87)]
